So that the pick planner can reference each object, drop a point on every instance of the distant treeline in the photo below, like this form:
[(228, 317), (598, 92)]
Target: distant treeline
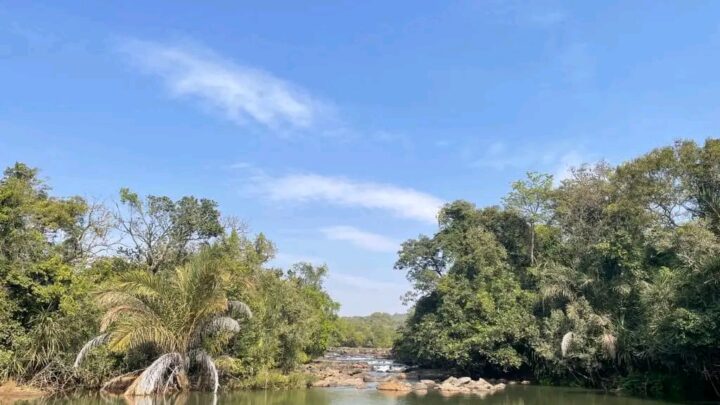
[(608, 278), (378, 330)]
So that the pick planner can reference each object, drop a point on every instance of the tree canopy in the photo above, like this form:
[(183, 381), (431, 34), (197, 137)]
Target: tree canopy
[(608, 279), (153, 283)]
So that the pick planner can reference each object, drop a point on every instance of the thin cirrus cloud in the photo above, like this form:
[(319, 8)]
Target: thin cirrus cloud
[(568, 161), (501, 156), (363, 239), (398, 201), (526, 14), (366, 284), (242, 94), (546, 18)]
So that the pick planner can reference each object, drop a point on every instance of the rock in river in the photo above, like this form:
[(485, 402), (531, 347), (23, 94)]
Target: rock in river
[(395, 385)]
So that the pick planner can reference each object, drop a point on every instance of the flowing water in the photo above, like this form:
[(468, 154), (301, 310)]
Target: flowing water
[(512, 395)]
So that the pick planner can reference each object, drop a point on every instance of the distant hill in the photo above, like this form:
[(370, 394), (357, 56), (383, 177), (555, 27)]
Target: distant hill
[(376, 330)]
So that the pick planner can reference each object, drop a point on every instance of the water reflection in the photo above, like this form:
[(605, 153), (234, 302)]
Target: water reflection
[(514, 395)]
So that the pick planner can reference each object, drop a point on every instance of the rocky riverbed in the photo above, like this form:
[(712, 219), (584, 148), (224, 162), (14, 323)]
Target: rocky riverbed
[(375, 369)]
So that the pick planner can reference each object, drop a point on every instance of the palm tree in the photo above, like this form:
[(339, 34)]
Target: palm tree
[(178, 313), (565, 288)]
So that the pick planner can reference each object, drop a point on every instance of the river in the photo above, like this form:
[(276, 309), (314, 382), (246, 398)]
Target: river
[(369, 395), (512, 395)]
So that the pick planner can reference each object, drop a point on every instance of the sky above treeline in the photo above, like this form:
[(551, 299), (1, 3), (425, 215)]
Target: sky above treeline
[(338, 128)]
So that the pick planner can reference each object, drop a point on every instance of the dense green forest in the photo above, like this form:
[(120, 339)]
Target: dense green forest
[(376, 330), (147, 281), (609, 278)]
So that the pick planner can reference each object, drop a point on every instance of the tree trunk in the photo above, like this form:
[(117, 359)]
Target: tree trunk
[(166, 374), (121, 383), (532, 244)]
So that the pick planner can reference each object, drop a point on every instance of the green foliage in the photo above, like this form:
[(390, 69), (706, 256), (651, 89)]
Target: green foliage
[(477, 318), (376, 330), (268, 380), (160, 232), (177, 311), (654, 384), (40, 291), (167, 289), (609, 279), (294, 317), (530, 198)]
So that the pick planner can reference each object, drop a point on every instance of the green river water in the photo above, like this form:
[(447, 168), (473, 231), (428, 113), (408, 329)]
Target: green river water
[(513, 395)]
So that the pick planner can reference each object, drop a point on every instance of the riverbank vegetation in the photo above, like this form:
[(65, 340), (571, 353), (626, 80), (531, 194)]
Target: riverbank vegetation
[(150, 284), (608, 278)]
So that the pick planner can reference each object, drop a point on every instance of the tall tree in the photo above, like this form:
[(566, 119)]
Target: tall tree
[(474, 316), (159, 232), (42, 293), (531, 199)]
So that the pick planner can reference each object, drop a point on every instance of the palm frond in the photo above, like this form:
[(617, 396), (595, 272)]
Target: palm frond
[(210, 305), (622, 289), (223, 324), (199, 287), (209, 370), (113, 314), (600, 320), (114, 297), (551, 291), (51, 339), (566, 343), (585, 280), (239, 308), (156, 379), (174, 312), (129, 335), (91, 344), (609, 344), (141, 284)]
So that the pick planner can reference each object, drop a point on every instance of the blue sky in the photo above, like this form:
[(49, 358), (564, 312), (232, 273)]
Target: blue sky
[(338, 128)]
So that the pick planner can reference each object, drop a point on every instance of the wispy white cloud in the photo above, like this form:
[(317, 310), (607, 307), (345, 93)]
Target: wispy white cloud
[(568, 161), (546, 18), (285, 260), (363, 283), (555, 159), (389, 137), (353, 292), (366, 240), (498, 157), (523, 13), (242, 94), (241, 166), (399, 201)]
